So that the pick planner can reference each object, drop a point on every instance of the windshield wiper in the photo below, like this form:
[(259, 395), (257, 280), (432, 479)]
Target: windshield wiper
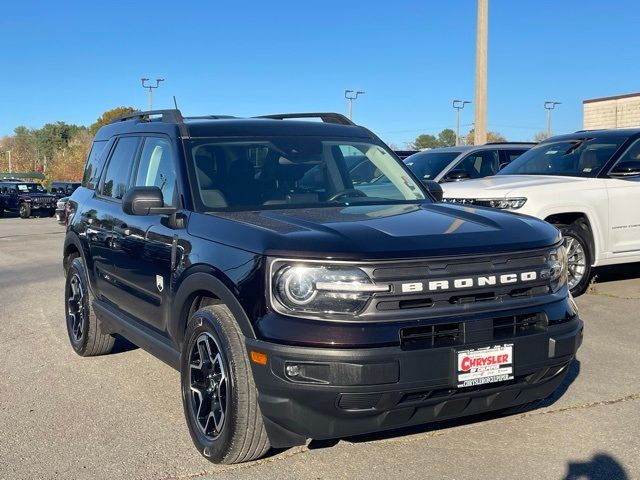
[(575, 146)]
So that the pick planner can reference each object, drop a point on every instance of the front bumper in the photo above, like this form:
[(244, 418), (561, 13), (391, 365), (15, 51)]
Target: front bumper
[(356, 391)]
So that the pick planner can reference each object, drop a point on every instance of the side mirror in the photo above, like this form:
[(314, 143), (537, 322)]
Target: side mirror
[(145, 201), (457, 175), (434, 189), (626, 169)]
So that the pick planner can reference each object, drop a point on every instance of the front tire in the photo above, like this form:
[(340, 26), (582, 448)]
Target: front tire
[(577, 240), (24, 210), (218, 392), (82, 325)]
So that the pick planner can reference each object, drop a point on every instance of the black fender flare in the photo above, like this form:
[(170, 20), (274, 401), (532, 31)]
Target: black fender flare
[(203, 281)]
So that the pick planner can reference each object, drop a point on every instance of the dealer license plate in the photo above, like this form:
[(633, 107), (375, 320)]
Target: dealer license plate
[(484, 365)]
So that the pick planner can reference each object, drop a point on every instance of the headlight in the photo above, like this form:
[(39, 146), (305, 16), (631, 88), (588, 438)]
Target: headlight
[(328, 289), (512, 203), (558, 267), (501, 203)]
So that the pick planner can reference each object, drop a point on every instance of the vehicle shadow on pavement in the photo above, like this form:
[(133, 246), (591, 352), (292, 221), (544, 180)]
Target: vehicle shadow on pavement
[(600, 467), (122, 345), (613, 273), (572, 373)]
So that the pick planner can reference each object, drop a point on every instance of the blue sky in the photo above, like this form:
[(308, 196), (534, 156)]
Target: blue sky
[(71, 60)]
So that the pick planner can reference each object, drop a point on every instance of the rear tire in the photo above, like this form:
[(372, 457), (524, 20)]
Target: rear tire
[(82, 325), (578, 240), (24, 210), (219, 395)]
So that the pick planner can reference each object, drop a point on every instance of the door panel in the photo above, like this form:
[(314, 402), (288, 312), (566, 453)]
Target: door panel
[(624, 214)]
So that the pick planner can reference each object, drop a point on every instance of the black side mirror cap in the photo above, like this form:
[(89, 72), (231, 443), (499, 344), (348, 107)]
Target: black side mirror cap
[(434, 189), (457, 175), (626, 169), (145, 201)]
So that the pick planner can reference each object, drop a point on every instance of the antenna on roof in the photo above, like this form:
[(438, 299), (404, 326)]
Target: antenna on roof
[(175, 103)]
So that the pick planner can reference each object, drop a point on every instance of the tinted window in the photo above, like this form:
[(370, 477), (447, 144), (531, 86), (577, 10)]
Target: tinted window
[(509, 156), (632, 155), (480, 164), (116, 178), (579, 157), (157, 168), (95, 162), (428, 165)]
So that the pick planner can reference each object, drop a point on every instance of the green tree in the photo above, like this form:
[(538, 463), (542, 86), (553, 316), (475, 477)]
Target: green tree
[(491, 137), (109, 115), (424, 141), (447, 138)]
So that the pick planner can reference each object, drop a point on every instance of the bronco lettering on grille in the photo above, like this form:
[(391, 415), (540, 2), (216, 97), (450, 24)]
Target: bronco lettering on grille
[(469, 282)]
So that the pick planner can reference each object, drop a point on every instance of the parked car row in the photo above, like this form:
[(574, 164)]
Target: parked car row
[(587, 184), (28, 198), (306, 283)]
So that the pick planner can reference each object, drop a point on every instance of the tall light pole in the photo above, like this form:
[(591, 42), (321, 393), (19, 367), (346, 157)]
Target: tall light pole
[(482, 33), (150, 88), (550, 105), (351, 96), (458, 105), (9, 157)]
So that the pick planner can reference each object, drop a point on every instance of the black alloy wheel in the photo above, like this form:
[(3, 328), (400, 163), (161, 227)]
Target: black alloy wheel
[(208, 383)]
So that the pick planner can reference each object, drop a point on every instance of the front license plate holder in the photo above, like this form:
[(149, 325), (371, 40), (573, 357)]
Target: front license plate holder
[(479, 366)]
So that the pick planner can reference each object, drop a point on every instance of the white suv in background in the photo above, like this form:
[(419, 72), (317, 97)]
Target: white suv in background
[(586, 183)]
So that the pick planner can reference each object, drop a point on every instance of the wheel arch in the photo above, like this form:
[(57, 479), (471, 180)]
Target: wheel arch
[(199, 289), (568, 217)]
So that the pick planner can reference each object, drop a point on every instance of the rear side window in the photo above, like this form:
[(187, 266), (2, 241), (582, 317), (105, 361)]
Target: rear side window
[(95, 162), (116, 178)]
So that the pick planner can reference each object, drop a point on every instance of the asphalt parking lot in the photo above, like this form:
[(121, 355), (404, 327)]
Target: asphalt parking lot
[(120, 416)]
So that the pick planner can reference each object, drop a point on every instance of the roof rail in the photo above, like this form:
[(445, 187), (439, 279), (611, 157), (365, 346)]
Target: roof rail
[(326, 117), (173, 115), (511, 143), (169, 116)]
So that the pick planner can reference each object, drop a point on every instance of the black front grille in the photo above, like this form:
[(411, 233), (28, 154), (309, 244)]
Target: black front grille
[(432, 336), (472, 284), (519, 325)]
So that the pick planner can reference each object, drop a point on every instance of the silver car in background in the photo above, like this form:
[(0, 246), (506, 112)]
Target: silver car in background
[(454, 164)]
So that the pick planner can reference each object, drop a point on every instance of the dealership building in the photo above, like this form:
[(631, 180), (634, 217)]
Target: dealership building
[(621, 111)]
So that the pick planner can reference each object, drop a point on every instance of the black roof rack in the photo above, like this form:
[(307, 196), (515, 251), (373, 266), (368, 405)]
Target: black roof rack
[(170, 116), (326, 117), (511, 143)]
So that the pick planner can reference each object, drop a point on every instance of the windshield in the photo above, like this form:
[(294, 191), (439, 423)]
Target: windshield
[(296, 171), (579, 157), (428, 165), (30, 188)]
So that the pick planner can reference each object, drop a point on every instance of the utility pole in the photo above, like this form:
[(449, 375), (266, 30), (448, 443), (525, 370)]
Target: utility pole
[(458, 105), (351, 96), (9, 156), (150, 88), (550, 105), (480, 123)]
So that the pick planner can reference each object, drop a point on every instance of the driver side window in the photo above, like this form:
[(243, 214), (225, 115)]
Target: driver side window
[(480, 164), (157, 169)]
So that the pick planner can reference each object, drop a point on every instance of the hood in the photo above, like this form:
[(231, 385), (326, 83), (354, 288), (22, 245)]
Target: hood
[(375, 231), (37, 195), (502, 185)]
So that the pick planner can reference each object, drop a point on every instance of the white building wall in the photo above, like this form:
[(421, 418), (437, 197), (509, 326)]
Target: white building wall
[(613, 112)]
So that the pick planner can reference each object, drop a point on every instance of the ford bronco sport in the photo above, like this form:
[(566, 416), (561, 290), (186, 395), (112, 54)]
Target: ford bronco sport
[(295, 306)]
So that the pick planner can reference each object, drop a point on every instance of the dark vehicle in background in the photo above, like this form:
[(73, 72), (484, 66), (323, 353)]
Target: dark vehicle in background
[(246, 254), (402, 154), (25, 198), (63, 189), (453, 164)]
